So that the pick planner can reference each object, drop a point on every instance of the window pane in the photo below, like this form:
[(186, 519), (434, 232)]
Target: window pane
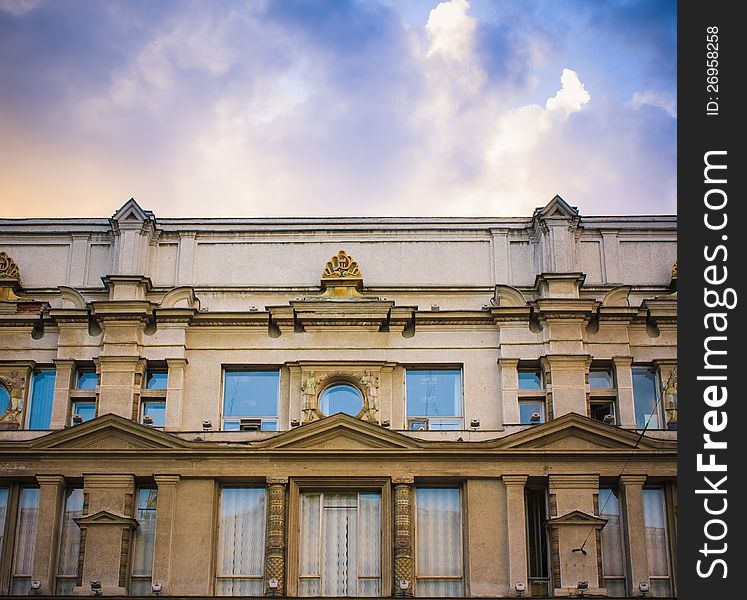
[(613, 564), (87, 380), (144, 536), (156, 409), (241, 544), (86, 410), (436, 393), (654, 520), (599, 410), (530, 380), (42, 392), (4, 397), (439, 541), (645, 393), (157, 380), (341, 398), (67, 564), (600, 379), (251, 393), (23, 556), (528, 407)]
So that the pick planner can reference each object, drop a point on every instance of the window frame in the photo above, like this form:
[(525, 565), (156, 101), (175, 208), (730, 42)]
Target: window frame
[(85, 395), (428, 420), (31, 400), (526, 395), (622, 516), (534, 581), (136, 509), (600, 396), (668, 540), (62, 577), (297, 485), (264, 419), (150, 395), (658, 403), (219, 505), (463, 566)]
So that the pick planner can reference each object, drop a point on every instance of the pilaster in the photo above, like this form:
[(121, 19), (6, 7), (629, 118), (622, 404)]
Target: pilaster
[(47, 530), (517, 529), (509, 370), (625, 399), (165, 519), (275, 568), (632, 486), (175, 393), (404, 535)]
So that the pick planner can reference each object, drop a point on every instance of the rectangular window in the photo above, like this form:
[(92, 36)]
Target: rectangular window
[(83, 396), (613, 555), (646, 396), (340, 552), (42, 394), (250, 400), (143, 542), (536, 515), (153, 398), (657, 542), (241, 542), (68, 560), (531, 396), (603, 395), (434, 398), (438, 542), (25, 542)]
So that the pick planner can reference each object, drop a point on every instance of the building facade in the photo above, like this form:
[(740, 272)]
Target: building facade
[(460, 407)]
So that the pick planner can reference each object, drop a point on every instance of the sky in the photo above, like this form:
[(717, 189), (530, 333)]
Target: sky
[(337, 107)]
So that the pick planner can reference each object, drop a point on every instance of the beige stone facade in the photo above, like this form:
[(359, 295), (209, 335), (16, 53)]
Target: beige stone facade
[(506, 388)]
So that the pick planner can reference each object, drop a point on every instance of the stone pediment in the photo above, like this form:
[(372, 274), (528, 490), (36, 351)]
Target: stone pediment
[(109, 432), (341, 432), (104, 517), (557, 207), (573, 432), (576, 517)]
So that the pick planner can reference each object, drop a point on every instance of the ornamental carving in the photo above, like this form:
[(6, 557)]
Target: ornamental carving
[(8, 267), (341, 266), (15, 386), (314, 383)]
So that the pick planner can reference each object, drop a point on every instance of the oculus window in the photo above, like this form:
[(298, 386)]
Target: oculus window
[(434, 398), (250, 400), (341, 398)]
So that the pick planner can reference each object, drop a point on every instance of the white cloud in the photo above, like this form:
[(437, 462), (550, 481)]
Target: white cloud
[(571, 96), (18, 7), (663, 100), (451, 30)]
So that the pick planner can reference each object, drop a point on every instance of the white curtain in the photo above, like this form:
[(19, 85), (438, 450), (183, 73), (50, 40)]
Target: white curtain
[(241, 547), (67, 563), (613, 561), (657, 552), (23, 556), (340, 544), (439, 542)]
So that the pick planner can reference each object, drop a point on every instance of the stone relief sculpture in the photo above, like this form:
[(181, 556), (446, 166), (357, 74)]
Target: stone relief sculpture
[(310, 406), (15, 385), (313, 383), (370, 410)]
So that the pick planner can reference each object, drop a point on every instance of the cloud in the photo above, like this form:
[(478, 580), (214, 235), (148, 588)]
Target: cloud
[(304, 107), (663, 100)]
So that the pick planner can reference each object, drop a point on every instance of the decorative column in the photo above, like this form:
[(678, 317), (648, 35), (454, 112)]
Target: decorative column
[(517, 529), (165, 517), (633, 490), (404, 534), (48, 528), (277, 491)]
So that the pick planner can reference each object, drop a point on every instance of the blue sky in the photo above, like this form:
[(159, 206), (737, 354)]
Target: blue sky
[(337, 107)]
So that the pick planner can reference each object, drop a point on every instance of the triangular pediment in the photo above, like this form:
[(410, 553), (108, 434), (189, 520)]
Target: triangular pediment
[(557, 207), (132, 211), (341, 432), (576, 517), (104, 517), (574, 432), (109, 432)]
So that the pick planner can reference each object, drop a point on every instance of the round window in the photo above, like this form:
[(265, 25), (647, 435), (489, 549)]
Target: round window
[(341, 398), (4, 399)]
